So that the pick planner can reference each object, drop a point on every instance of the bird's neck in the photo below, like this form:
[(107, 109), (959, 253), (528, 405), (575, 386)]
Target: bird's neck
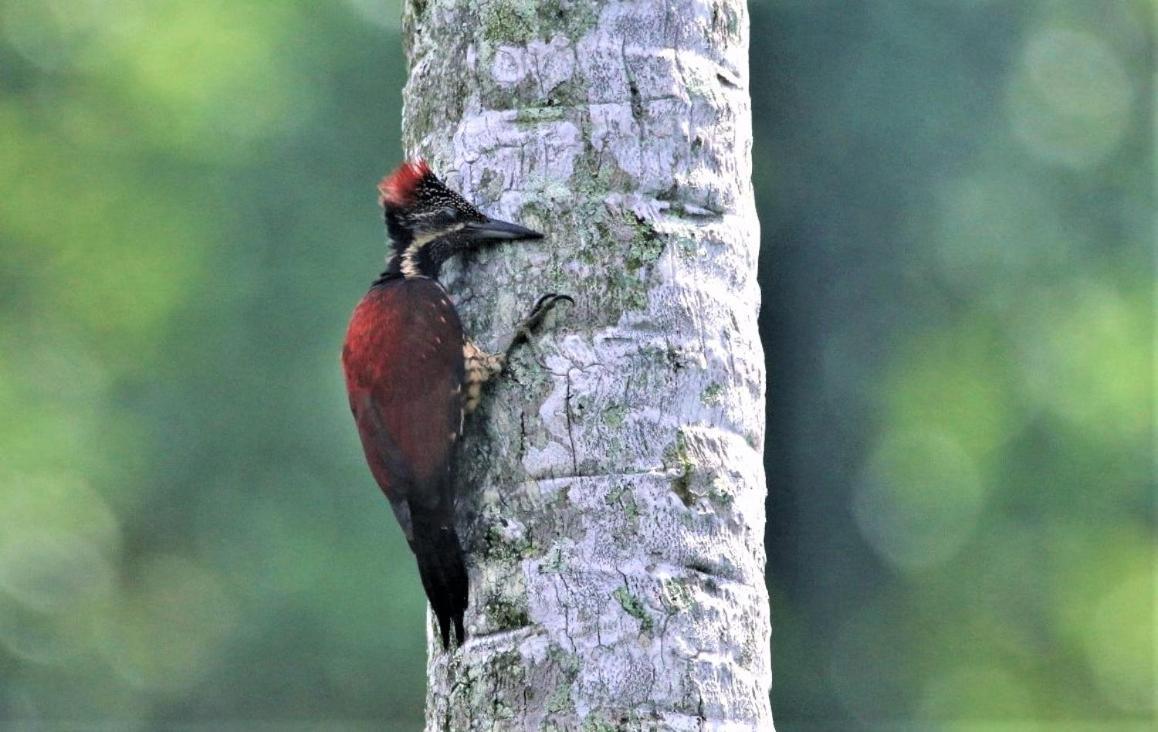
[(410, 264)]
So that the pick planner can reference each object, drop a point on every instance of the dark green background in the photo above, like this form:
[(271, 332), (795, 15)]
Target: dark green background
[(957, 209)]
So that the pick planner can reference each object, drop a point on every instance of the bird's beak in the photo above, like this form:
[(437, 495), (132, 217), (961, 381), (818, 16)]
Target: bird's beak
[(495, 230)]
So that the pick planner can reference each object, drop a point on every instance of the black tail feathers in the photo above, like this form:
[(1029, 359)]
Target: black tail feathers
[(440, 564)]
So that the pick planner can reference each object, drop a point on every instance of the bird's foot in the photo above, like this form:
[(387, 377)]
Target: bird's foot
[(528, 325)]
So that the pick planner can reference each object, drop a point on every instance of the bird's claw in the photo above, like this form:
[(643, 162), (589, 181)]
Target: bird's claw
[(526, 328)]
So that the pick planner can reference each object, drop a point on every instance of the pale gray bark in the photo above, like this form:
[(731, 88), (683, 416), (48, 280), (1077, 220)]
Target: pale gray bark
[(612, 486)]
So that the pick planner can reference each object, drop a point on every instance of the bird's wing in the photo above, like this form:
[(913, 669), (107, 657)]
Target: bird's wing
[(403, 360)]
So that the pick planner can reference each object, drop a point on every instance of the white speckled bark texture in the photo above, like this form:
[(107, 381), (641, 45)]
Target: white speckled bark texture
[(612, 490)]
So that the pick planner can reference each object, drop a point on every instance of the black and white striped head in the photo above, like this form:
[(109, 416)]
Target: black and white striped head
[(428, 223)]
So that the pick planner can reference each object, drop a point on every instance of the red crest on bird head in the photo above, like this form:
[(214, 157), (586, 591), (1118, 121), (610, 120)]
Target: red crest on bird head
[(397, 189)]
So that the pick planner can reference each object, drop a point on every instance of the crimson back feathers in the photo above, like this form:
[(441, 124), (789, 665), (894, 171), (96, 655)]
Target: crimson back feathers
[(412, 375)]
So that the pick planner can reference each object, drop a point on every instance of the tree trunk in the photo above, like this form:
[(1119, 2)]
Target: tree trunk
[(612, 489)]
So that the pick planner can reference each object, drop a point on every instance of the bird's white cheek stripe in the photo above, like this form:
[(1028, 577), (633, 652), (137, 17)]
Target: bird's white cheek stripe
[(410, 256)]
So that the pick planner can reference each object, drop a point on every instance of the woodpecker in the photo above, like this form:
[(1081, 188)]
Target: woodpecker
[(412, 376)]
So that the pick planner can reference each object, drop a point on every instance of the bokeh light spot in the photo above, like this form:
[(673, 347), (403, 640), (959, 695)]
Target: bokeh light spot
[(170, 626), (954, 381), (1078, 73), (51, 572), (58, 504), (996, 231), (59, 540), (1086, 356), (918, 499), (1071, 99)]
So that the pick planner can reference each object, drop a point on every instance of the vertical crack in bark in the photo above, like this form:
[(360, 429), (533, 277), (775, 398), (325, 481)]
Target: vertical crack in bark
[(522, 436), (570, 432), (566, 606)]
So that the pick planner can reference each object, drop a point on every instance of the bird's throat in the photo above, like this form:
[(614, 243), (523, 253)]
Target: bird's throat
[(423, 255)]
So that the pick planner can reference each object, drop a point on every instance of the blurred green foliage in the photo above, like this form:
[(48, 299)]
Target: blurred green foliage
[(958, 209), (957, 200), (187, 214)]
